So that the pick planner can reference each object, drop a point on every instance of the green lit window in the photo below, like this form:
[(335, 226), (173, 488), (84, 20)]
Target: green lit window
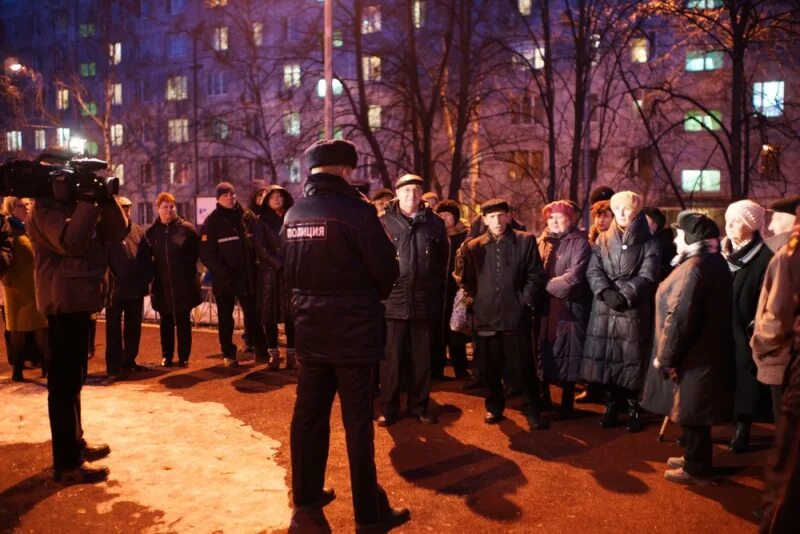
[(696, 121), (701, 60), (86, 30), (91, 148), (701, 181), (703, 4), (88, 70), (89, 109)]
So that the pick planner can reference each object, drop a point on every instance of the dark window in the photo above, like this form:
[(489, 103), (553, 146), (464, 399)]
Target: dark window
[(145, 211), (217, 169), (146, 172)]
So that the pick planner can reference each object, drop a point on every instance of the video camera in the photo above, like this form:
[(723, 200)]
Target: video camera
[(34, 178)]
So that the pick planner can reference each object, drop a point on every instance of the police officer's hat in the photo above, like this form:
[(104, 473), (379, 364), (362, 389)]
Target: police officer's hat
[(333, 152)]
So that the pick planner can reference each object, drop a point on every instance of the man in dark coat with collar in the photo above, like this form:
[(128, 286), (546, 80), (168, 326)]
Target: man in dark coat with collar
[(226, 248), (416, 301), (502, 273), (339, 265)]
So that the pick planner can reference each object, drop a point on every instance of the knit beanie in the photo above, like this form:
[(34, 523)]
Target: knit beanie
[(750, 213), (559, 206), (626, 199), (225, 187)]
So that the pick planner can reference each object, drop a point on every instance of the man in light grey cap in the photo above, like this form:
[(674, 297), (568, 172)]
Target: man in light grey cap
[(128, 273)]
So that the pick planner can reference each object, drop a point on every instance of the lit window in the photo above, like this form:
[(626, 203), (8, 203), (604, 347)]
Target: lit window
[(116, 134), (114, 53), (700, 60), (14, 141), (338, 39), (594, 40), (639, 50), (62, 136), (291, 76), (337, 88), (291, 123), (294, 171), (372, 68), (419, 13), (258, 33), (768, 98), (703, 4), (770, 168), (86, 30), (40, 139), (62, 99), (178, 130), (371, 19), (696, 121), (701, 181), (219, 130), (89, 108), (116, 94), (220, 42), (88, 70), (90, 149), (118, 170), (525, 164), (524, 7), (216, 3), (178, 172), (374, 117), (217, 83), (528, 56), (177, 88)]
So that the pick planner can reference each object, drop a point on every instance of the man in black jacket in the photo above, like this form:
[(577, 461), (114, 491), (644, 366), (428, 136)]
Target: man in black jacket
[(226, 248), (339, 264), (416, 301), (128, 272), (502, 273)]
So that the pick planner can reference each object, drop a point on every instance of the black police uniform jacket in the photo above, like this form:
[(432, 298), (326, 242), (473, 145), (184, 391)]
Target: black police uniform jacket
[(226, 249), (339, 265), (423, 250), (504, 278)]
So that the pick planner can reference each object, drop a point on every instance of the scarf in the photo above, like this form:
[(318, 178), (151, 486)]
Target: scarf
[(739, 258), (704, 247)]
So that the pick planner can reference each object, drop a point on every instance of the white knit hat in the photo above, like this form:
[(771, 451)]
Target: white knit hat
[(750, 213)]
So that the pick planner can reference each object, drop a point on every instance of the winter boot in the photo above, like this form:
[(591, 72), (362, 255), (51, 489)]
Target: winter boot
[(544, 396), (291, 359), (634, 423), (610, 418), (741, 437), (566, 410), (274, 360)]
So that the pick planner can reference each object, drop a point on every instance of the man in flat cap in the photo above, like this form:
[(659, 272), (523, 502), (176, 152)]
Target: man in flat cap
[(339, 264), (129, 270), (502, 272), (416, 302), (381, 198), (226, 248), (782, 222)]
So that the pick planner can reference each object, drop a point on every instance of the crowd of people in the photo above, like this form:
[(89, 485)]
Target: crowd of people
[(633, 314)]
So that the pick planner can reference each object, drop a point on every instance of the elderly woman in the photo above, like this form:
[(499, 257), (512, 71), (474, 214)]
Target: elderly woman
[(174, 244), (691, 377), (748, 258), (623, 274), (19, 292), (602, 216), (560, 326)]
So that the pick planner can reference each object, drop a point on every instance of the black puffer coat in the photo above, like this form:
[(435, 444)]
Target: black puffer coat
[(271, 291), (560, 324), (339, 264), (423, 251), (748, 266), (618, 343), (693, 335), (129, 269), (226, 249), (174, 248)]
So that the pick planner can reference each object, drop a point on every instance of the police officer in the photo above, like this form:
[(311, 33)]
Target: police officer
[(226, 248), (339, 265)]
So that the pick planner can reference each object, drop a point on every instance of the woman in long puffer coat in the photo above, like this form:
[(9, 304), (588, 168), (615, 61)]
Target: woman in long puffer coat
[(748, 258), (623, 274), (560, 325), (691, 376)]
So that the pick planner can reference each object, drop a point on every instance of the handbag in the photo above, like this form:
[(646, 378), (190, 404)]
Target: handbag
[(461, 318)]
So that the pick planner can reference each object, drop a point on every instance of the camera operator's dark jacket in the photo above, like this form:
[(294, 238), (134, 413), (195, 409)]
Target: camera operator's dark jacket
[(6, 244), (129, 269), (174, 249), (226, 248), (69, 241), (339, 264), (504, 277), (423, 250)]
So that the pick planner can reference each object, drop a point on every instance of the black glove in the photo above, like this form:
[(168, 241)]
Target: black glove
[(614, 299)]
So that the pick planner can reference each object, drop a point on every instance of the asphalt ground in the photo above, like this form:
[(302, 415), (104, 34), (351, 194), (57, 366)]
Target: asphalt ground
[(460, 475)]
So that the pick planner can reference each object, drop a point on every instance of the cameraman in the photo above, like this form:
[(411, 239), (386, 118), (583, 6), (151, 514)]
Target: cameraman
[(70, 231)]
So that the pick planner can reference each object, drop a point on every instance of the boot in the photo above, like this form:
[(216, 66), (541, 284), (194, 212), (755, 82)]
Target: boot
[(610, 418), (566, 409), (544, 396), (16, 374), (274, 360), (291, 359), (741, 437), (634, 423)]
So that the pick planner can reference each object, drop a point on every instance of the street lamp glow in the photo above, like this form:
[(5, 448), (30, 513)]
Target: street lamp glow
[(15, 67), (77, 145)]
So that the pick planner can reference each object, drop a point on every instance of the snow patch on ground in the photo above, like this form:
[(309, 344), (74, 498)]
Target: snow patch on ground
[(204, 469)]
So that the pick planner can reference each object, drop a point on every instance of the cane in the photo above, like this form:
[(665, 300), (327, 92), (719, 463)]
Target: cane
[(663, 428)]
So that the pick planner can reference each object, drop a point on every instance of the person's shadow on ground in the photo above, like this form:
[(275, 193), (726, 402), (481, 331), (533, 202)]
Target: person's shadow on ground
[(263, 381), (447, 466)]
